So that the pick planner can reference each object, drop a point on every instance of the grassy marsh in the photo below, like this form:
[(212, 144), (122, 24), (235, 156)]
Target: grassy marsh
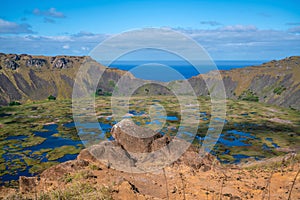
[(273, 130)]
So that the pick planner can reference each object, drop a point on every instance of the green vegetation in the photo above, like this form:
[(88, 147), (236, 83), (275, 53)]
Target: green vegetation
[(111, 83), (107, 94), (274, 164), (14, 103), (40, 152), (99, 91), (51, 98), (260, 120), (38, 168), (102, 93), (79, 191), (279, 90), (94, 167), (248, 95), (59, 152), (30, 161), (67, 178), (107, 134), (32, 141), (226, 157)]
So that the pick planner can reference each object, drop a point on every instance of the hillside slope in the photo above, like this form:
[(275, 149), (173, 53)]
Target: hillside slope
[(25, 77), (275, 82)]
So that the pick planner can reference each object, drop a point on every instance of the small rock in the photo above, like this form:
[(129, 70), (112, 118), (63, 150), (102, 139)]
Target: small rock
[(174, 190)]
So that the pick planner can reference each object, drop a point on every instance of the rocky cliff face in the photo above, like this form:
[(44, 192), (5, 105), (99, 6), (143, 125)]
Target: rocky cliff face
[(25, 77)]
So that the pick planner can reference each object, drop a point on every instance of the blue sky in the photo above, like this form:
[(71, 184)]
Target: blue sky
[(228, 30)]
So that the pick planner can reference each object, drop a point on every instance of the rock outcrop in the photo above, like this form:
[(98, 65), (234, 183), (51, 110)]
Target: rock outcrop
[(136, 150), (139, 149), (35, 62), (62, 63), (10, 64)]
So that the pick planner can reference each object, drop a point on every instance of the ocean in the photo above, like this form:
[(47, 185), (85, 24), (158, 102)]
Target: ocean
[(174, 70)]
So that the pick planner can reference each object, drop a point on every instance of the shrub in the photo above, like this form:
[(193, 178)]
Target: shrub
[(248, 95), (51, 98), (279, 90), (14, 103), (100, 92), (94, 167)]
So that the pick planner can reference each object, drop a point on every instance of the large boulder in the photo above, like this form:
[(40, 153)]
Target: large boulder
[(137, 139), (135, 149)]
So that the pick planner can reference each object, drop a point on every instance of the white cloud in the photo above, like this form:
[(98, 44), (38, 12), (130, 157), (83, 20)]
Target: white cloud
[(246, 42), (51, 12), (62, 38), (294, 29), (7, 27), (49, 45), (85, 48), (228, 42), (66, 46), (211, 23), (48, 20), (83, 34), (36, 38), (239, 28)]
